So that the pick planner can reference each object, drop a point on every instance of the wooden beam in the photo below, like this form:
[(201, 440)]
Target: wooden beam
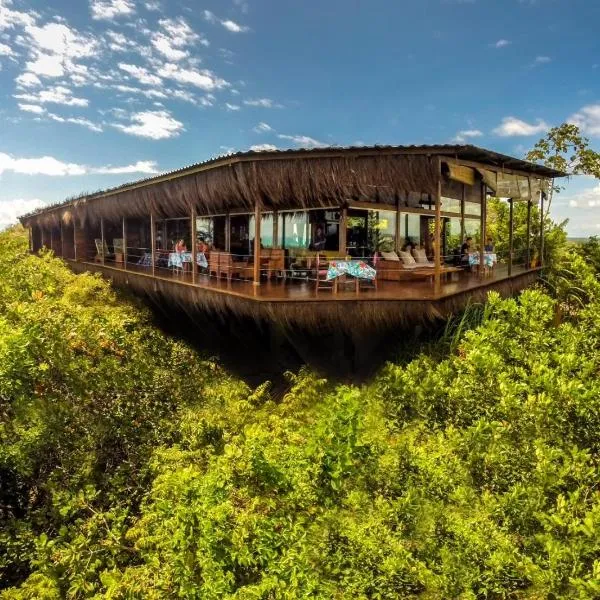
[(343, 240), (257, 219), (194, 248), (125, 243), (275, 229), (227, 232), (510, 235), (74, 238), (62, 240), (482, 228), (462, 213), (102, 238), (529, 234), (541, 228), (41, 236), (398, 231), (438, 233), (153, 243)]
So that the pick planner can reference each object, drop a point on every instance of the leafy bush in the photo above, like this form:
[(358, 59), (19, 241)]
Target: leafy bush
[(138, 470)]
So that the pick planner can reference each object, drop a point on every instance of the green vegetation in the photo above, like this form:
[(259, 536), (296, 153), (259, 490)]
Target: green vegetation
[(132, 468)]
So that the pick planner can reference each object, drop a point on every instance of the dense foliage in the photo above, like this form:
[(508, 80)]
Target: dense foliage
[(132, 468)]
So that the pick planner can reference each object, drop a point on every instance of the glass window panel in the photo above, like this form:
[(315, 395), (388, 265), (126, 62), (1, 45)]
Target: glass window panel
[(295, 230), (472, 208)]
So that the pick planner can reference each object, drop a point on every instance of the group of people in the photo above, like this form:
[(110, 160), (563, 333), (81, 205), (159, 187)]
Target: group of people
[(201, 246), (467, 248)]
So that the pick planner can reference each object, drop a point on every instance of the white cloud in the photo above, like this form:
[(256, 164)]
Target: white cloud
[(263, 127), (76, 121), (502, 43), (50, 166), (263, 147), (32, 108), (234, 27), (263, 103), (511, 126), (204, 79), (462, 136), (153, 6), (232, 107), (141, 166), (175, 35), (46, 165), (586, 198), (6, 50), (156, 125), (588, 119), (53, 95), (109, 9), (10, 19), (302, 140), (227, 23), (11, 210), (141, 74), (28, 80), (541, 60)]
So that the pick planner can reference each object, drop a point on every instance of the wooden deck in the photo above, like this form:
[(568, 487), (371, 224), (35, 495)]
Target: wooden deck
[(295, 301)]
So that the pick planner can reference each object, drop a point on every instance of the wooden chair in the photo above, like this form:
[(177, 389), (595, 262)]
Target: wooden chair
[(322, 283), (273, 261), (101, 250), (119, 249), (230, 267), (213, 263)]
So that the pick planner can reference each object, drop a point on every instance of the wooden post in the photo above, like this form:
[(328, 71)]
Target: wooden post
[(541, 228), (62, 240), (74, 237), (275, 229), (257, 218), (398, 225), (227, 232), (153, 243), (125, 243), (482, 228), (343, 237), (462, 213), (510, 235), (529, 233), (438, 232), (42, 237), (102, 238), (194, 247)]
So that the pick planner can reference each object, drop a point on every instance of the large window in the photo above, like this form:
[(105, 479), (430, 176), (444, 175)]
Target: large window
[(370, 231), (294, 230)]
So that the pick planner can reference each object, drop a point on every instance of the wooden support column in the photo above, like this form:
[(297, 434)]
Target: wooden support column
[(227, 232), (102, 238), (541, 228), (43, 241), (153, 242), (52, 239), (398, 225), (75, 238), (275, 229), (343, 237), (125, 243), (482, 228), (511, 230), (462, 213), (438, 233), (528, 233), (257, 219), (62, 240), (194, 245)]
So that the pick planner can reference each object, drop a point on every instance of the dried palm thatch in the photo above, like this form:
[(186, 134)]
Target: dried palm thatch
[(355, 316), (304, 181)]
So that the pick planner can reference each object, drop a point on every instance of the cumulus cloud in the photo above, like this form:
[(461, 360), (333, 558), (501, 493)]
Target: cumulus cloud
[(174, 36), (502, 43), (463, 136), (263, 147), (32, 108), (53, 95), (262, 102), (588, 119), (76, 121), (156, 125), (263, 127), (511, 126), (230, 25), (110, 9), (232, 107), (6, 50), (52, 167), (9, 19), (11, 210), (25, 80), (303, 141), (203, 79), (141, 74)]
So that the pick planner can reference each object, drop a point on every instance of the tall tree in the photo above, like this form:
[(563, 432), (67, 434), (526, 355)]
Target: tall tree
[(564, 148)]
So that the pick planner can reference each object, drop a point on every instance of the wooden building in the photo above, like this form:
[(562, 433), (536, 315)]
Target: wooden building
[(277, 236)]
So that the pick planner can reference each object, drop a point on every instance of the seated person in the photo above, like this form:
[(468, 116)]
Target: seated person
[(465, 250), (180, 246), (489, 245), (319, 239)]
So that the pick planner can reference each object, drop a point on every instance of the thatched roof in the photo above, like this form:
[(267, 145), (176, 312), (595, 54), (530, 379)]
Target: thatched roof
[(279, 179)]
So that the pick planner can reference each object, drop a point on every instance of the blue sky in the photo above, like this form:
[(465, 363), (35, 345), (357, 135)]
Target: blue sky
[(94, 93)]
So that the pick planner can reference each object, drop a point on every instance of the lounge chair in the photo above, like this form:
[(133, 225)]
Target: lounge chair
[(102, 251)]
